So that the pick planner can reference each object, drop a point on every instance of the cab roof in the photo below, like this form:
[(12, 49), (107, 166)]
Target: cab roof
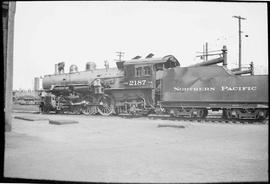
[(168, 58)]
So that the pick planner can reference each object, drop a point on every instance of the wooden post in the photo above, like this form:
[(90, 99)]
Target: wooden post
[(224, 53), (8, 15)]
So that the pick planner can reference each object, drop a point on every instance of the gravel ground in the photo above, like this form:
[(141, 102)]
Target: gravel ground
[(113, 149), (18, 107)]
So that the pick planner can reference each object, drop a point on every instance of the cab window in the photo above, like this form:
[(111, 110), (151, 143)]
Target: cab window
[(138, 71), (159, 66), (129, 71), (147, 70)]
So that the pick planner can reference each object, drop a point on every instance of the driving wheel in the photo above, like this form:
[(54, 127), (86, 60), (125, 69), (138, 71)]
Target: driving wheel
[(106, 105)]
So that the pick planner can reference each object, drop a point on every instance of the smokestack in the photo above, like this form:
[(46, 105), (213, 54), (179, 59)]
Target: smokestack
[(36, 83), (90, 66)]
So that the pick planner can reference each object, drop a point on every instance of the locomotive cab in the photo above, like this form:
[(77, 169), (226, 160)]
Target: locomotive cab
[(144, 72), (145, 75)]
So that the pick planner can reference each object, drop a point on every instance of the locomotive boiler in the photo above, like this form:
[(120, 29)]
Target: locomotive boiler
[(80, 92), (150, 85)]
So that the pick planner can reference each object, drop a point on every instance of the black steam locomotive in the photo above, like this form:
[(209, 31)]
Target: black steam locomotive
[(150, 85)]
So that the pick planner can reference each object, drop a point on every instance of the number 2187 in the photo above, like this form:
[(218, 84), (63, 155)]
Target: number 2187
[(137, 83)]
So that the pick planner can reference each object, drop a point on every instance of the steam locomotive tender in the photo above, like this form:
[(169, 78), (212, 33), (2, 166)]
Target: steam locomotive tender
[(149, 85)]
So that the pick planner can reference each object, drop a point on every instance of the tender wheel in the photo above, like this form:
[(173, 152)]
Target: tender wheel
[(224, 114), (228, 114), (261, 115), (202, 113), (106, 105)]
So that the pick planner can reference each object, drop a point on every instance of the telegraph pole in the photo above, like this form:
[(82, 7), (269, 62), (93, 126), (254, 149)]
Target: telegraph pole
[(206, 51), (120, 54), (205, 54), (240, 39)]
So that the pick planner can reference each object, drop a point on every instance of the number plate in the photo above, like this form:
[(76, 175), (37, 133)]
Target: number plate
[(137, 83)]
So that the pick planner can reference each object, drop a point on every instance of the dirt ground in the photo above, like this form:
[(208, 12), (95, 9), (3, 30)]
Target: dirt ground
[(114, 149), (18, 107)]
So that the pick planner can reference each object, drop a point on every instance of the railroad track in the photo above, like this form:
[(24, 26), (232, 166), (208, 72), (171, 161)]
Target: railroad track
[(208, 119), (211, 118)]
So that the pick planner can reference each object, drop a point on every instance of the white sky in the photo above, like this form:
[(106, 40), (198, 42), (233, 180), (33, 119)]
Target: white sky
[(78, 32)]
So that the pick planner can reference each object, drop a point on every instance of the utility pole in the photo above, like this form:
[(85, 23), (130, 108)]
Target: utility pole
[(120, 54), (205, 54), (240, 39), (206, 51)]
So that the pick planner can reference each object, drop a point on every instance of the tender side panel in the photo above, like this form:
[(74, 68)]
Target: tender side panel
[(213, 85)]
